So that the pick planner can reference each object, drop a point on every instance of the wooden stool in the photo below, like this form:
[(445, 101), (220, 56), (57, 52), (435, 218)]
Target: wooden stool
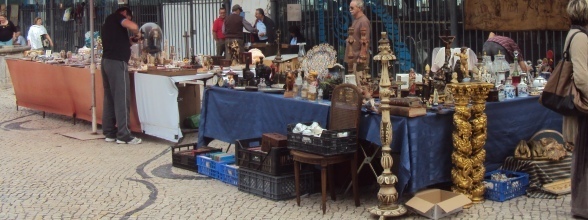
[(324, 162)]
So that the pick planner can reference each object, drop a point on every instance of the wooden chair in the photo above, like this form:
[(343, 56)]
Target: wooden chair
[(344, 114)]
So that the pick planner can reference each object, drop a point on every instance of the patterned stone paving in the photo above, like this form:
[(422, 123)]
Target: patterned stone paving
[(44, 175)]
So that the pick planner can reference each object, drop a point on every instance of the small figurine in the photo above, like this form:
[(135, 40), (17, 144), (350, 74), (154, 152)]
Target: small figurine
[(290, 78), (312, 78), (411, 82), (454, 78), (435, 97), (545, 67), (231, 82), (463, 58), (368, 101)]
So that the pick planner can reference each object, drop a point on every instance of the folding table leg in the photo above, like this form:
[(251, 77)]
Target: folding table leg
[(366, 161), (229, 147)]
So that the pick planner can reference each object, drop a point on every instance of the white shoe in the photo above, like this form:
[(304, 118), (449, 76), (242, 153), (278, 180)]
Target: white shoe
[(110, 139), (133, 141)]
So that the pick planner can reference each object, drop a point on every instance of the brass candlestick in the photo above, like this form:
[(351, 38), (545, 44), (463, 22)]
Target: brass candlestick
[(278, 54), (387, 196), (469, 138)]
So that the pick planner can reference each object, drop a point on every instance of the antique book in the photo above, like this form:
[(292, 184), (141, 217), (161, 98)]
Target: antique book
[(406, 101), (407, 111)]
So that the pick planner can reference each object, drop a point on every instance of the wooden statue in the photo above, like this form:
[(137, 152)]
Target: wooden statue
[(290, 78), (411, 82), (234, 47), (463, 59)]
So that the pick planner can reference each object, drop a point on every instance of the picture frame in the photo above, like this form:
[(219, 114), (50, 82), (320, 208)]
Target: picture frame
[(350, 78)]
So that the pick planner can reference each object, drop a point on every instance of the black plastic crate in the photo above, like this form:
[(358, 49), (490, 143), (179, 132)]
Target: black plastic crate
[(274, 187), (184, 156), (330, 143), (277, 161)]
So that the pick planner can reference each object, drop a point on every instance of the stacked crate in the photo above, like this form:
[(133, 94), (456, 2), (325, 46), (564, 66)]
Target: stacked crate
[(184, 156), (215, 165), (266, 168)]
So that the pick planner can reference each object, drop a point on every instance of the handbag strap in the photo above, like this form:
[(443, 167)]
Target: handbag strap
[(566, 57)]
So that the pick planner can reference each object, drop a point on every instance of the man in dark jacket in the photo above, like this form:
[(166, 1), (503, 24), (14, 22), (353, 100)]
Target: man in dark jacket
[(233, 29), (269, 24)]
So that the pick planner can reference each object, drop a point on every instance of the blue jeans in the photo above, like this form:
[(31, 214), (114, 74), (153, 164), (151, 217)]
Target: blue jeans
[(6, 43)]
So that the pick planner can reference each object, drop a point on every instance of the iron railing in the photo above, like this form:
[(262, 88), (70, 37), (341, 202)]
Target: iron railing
[(413, 26)]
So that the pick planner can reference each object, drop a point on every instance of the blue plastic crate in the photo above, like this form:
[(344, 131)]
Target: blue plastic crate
[(207, 166), (500, 191), (229, 174)]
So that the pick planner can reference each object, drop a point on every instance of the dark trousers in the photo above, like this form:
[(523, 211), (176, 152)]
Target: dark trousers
[(117, 99), (220, 47)]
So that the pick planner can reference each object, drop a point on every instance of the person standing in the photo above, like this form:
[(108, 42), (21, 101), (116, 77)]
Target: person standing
[(265, 27), (217, 31), (38, 38), (115, 76), (233, 29), (7, 31), (360, 21), (576, 128), (18, 38)]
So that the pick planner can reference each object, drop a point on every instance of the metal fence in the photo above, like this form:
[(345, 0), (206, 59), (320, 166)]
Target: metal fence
[(413, 26)]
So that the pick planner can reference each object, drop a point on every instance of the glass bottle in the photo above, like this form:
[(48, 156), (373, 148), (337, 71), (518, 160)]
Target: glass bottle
[(320, 96), (298, 86), (304, 91), (311, 95)]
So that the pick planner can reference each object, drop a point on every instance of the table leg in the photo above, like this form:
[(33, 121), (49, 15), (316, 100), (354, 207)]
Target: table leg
[(297, 180), (324, 188), (331, 173), (354, 179)]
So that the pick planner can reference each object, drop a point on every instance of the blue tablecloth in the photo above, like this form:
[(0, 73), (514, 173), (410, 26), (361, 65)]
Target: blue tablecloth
[(424, 143)]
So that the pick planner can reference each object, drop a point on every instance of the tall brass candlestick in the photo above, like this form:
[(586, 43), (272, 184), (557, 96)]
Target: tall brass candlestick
[(387, 196)]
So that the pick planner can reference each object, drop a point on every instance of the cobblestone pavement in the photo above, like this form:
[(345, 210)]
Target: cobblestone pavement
[(44, 175)]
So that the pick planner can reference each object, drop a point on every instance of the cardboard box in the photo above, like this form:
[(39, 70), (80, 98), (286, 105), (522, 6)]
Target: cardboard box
[(436, 203)]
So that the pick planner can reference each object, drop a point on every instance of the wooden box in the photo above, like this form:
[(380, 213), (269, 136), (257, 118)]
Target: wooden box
[(269, 140)]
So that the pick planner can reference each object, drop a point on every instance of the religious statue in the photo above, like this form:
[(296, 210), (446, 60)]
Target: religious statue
[(411, 82), (234, 47), (463, 58), (427, 83)]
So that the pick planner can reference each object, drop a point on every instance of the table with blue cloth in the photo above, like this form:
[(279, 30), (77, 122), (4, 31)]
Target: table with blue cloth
[(424, 143)]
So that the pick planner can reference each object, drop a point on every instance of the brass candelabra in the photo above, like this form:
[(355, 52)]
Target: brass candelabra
[(469, 138), (387, 196)]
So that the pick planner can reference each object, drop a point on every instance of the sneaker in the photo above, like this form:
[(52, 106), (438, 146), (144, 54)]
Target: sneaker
[(133, 141), (110, 139)]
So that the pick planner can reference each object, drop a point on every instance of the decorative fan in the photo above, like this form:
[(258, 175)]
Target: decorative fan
[(319, 59)]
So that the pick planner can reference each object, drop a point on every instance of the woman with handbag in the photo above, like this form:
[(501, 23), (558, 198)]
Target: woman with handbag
[(574, 125)]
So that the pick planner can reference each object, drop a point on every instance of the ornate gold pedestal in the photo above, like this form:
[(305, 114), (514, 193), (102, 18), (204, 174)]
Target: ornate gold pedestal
[(469, 138), (387, 196)]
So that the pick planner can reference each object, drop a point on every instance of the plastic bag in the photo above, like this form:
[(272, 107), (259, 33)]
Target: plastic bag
[(67, 14)]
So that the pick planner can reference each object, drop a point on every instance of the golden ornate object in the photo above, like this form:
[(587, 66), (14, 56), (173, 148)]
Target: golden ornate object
[(469, 138), (234, 47), (387, 196), (542, 149)]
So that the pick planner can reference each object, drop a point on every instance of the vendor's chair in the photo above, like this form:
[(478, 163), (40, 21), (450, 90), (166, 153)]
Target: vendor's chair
[(344, 114)]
